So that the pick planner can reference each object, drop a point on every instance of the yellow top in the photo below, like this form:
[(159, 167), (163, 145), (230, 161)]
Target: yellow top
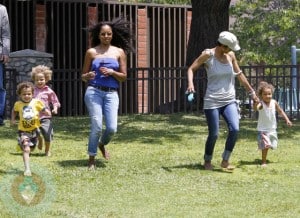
[(29, 114)]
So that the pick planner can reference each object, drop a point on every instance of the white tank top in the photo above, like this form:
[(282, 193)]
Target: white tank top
[(267, 117), (220, 89)]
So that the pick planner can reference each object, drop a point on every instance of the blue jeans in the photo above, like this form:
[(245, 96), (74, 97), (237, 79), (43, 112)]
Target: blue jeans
[(101, 105), (2, 93), (231, 116), (1, 75)]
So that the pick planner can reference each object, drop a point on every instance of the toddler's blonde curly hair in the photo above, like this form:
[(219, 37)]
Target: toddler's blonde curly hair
[(41, 69)]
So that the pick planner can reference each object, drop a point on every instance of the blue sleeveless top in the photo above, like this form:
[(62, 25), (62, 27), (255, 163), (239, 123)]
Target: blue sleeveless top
[(100, 79)]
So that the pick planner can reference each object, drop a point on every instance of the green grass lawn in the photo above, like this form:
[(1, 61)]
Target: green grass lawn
[(155, 170)]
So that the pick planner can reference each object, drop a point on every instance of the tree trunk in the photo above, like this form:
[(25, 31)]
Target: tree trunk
[(209, 18)]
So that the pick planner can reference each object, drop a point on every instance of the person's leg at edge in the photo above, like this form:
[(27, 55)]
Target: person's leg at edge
[(110, 112), (231, 117), (1, 76), (47, 131), (47, 149), (94, 100), (26, 152), (264, 153), (40, 142), (2, 95), (212, 119)]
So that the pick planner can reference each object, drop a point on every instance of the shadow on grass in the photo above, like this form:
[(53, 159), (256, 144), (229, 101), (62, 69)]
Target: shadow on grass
[(195, 167), (31, 154), (79, 163), (11, 172), (152, 129), (249, 163)]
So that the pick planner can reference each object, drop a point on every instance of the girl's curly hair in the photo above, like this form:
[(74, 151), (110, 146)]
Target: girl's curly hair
[(24, 85), (41, 69), (264, 85), (122, 34)]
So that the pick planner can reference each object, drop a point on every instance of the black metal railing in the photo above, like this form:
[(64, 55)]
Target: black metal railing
[(162, 90)]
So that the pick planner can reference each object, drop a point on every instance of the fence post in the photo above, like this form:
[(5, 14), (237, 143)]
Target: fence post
[(294, 69), (143, 106), (294, 51)]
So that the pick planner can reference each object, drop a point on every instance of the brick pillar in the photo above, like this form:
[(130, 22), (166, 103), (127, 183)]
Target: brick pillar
[(188, 24), (142, 61), (92, 18), (41, 32)]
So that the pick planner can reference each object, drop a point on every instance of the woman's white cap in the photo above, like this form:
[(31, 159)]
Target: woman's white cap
[(230, 40)]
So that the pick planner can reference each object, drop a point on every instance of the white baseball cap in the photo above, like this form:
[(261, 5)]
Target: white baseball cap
[(230, 40)]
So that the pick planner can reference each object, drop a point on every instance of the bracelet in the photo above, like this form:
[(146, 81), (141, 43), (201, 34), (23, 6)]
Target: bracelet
[(238, 73), (251, 93)]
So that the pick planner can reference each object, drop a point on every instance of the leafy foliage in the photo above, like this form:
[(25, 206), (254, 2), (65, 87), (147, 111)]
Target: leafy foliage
[(266, 30)]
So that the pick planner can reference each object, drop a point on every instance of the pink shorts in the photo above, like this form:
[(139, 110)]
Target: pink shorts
[(267, 140)]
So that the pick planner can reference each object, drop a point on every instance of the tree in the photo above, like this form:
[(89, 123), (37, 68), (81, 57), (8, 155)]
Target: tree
[(266, 30), (209, 18)]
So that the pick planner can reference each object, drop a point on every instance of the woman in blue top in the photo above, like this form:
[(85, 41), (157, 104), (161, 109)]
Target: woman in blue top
[(105, 66), (222, 69)]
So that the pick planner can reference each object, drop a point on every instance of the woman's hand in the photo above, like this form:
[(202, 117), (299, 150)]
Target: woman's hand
[(190, 87), (88, 76), (106, 71)]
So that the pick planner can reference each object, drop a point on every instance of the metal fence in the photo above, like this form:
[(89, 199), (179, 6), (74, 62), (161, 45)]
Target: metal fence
[(162, 90), (286, 84), (65, 22), (159, 89)]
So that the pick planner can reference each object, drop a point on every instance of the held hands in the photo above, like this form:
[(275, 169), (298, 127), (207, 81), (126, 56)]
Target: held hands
[(253, 96), (259, 106)]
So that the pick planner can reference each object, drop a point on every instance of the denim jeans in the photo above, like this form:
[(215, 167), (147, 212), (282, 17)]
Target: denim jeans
[(102, 106), (1, 75), (2, 93), (231, 116)]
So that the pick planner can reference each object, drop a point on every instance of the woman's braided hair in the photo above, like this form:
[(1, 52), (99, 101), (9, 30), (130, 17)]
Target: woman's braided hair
[(122, 35)]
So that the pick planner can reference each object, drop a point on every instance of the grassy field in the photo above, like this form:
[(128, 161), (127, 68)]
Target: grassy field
[(155, 170)]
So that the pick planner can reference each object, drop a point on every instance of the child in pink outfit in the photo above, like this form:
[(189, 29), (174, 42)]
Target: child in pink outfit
[(41, 75)]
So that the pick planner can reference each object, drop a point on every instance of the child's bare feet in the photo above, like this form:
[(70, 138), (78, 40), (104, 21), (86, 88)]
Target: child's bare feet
[(27, 173), (263, 163)]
